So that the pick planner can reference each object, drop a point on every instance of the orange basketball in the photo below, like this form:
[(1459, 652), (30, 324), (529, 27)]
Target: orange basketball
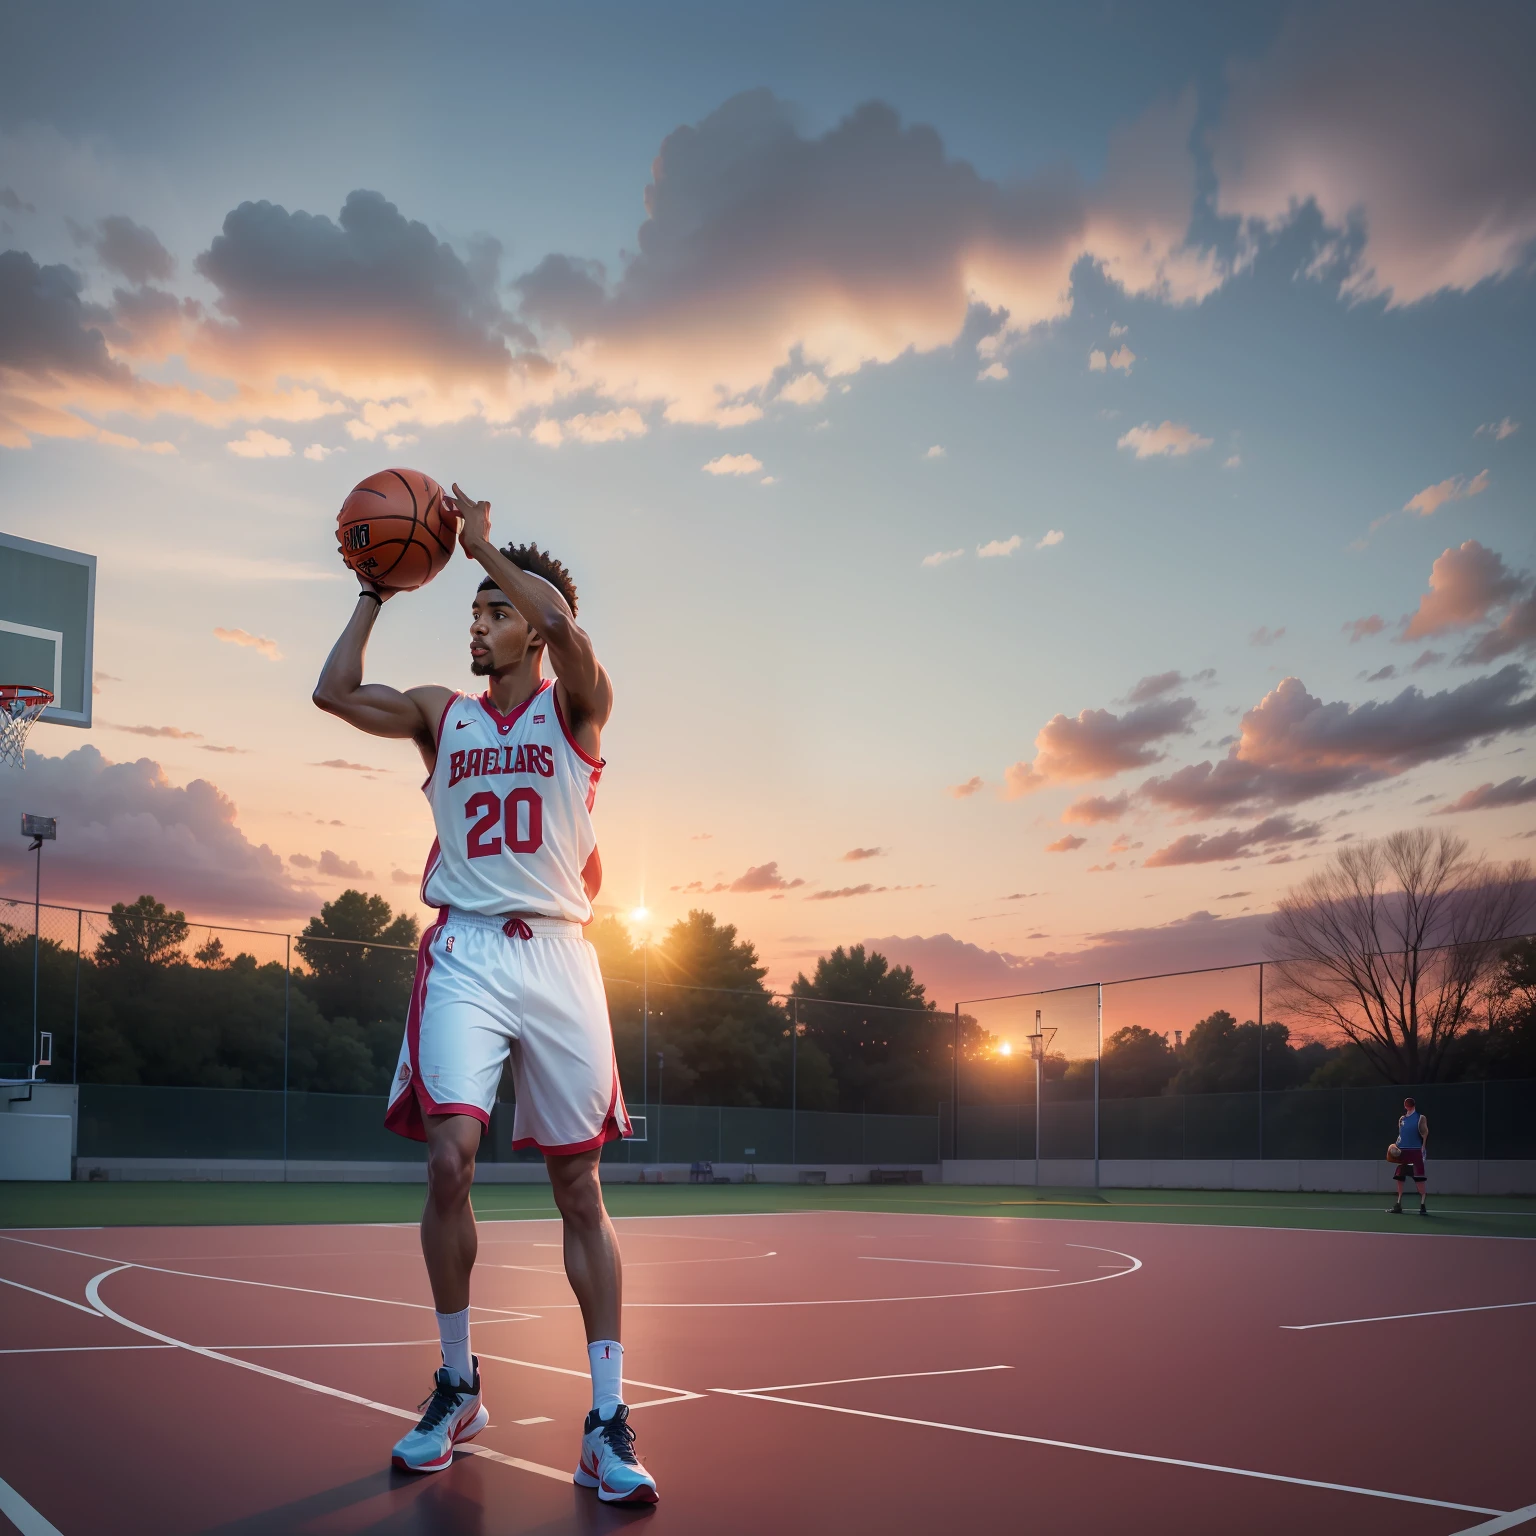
[(393, 529)]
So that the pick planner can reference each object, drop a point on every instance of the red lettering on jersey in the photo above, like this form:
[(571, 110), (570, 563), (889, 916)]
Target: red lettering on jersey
[(455, 768), (546, 761), (521, 765)]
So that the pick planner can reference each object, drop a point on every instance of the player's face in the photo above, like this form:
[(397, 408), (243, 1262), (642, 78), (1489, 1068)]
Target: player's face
[(499, 635)]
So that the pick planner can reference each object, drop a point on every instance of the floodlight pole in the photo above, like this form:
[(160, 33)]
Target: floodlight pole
[(794, 1078), (1098, 1054), (287, 982), (645, 1028), (954, 1093), (1261, 1061)]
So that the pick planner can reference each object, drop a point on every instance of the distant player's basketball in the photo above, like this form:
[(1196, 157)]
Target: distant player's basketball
[(393, 529)]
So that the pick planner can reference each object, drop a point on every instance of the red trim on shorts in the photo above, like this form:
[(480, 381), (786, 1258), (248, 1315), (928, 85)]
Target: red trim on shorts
[(615, 1125), (434, 1108), (403, 1114), (576, 747), (505, 722)]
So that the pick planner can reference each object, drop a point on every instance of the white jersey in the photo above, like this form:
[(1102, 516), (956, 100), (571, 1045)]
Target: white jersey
[(512, 799)]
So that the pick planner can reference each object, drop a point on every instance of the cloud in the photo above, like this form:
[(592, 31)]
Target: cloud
[(1498, 430), (1382, 674), (762, 245), (132, 251), (596, 427), (337, 868), (1293, 747), (1153, 685), (1410, 133), (1457, 488), (763, 877), (804, 389), (1266, 837), (258, 643), (994, 372), (1232, 461), (125, 828), (341, 762), (1122, 358), (319, 452), (971, 786), (172, 732), (1097, 361), (1426, 659), (1486, 797), (1170, 439), (1089, 810), (936, 452), (1065, 844), (1516, 632), (403, 877), (1465, 585), (855, 855), (734, 464), (998, 547), (1098, 744), (1050, 539), (1361, 629), (942, 556), (257, 444), (1264, 635), (846, 891)]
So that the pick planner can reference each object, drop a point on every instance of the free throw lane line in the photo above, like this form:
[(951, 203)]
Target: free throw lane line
[(843, 1381), (93, 1292), (679, 1395), (63, 1301), (1103, 1450), (22, 1515), (1502, 1523), (1397, 1317), (1030, 1269)]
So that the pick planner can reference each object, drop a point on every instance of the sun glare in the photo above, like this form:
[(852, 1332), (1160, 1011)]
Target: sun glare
[(639, 915), (1005, 1049)]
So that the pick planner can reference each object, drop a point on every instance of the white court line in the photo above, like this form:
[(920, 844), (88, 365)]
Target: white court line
[(678, 1394), (505, 1314), (63, 1301), (729, 1258), (1100, 1450), (81, 1349), (22, 1515), (538, 1419), (843, 1381), (93, 1291), (1033, 1269), (1502, 1523), (1395, 1317)]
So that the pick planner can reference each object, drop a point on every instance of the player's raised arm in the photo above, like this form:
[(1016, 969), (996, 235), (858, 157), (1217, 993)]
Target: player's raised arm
[(583, 682), (371, 707)]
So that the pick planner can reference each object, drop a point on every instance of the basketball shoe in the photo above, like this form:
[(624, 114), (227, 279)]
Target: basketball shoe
[(609, 1463), (454, 1413)]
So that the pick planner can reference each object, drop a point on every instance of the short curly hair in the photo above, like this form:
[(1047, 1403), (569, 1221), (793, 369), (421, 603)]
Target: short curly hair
[(538, 562)]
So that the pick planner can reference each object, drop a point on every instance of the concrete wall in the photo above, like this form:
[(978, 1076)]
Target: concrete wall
[(259, 1170), (35, 1147), (1371, 1175)]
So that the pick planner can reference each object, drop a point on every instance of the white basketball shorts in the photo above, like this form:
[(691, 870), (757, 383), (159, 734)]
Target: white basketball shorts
[(490, 987)]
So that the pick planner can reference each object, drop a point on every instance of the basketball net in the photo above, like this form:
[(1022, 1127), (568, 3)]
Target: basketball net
[(20, 705)]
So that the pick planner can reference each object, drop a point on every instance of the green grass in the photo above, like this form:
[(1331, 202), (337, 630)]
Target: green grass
[(218, 1204)]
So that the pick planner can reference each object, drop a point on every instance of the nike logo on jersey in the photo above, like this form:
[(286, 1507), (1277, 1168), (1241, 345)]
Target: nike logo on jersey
[(459, 726), (529, 757)]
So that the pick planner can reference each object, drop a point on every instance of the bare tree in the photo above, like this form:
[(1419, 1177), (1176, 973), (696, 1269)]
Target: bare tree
[(1394, 943)]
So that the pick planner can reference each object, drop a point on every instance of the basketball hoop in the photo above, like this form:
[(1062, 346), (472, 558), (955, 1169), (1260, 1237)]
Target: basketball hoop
[(1040, 1043), (20, 705)]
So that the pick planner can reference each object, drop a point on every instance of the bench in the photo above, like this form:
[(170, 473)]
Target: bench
[(895, 1175), (701, 1173)]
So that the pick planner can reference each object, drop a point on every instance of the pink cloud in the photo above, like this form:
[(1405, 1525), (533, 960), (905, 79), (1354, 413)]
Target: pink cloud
[(1168, 440), (1465, 584), (1490, 796), (1089, 810), (973, 785), (1294, 747), (1457, 488), (1362, 629), (1197, 848), (1098, 744), (762, 877), (1515, 632), (1065, 844)]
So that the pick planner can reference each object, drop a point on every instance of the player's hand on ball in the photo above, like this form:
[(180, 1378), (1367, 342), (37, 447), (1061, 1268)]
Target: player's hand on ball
[(382, 593), (474, 519)]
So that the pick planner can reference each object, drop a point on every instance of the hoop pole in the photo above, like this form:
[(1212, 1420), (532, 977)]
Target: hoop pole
[(74, 1065), (794, 1079), (954, 1094), (37, 912)]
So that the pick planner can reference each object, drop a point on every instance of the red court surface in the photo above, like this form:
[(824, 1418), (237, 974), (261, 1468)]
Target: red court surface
[(806, 1372)]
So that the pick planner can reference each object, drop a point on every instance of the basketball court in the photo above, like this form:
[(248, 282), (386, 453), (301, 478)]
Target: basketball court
[(832, 1370)]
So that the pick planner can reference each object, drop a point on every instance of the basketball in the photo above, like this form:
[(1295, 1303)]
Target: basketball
[(393, 529), (1394, 1153)]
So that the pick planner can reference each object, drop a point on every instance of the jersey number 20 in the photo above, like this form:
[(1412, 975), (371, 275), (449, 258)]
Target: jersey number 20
[(491, 809)]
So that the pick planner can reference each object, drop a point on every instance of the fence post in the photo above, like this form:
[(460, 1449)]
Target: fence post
[(719, 1133), (954, 1093), (74, 1066), (794, 1084), (287, 980), (1261, 1061), (1099, 1054)]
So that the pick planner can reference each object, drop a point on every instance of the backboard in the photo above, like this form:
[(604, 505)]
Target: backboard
[(47, 624)]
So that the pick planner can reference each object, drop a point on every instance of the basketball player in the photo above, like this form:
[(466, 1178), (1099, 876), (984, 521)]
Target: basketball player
[(505, 970)]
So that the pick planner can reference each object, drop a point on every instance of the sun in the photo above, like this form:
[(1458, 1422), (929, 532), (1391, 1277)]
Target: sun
[(1005, 1049)]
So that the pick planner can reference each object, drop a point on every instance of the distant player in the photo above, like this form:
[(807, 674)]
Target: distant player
[(1412, 1139), (505, 970)]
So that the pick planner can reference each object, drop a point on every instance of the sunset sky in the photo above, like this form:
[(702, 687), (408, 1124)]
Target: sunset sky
[(1039, 476)]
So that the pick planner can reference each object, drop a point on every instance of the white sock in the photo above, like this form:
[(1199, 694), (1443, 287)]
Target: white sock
[(453, 1333), (606, 1357)]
